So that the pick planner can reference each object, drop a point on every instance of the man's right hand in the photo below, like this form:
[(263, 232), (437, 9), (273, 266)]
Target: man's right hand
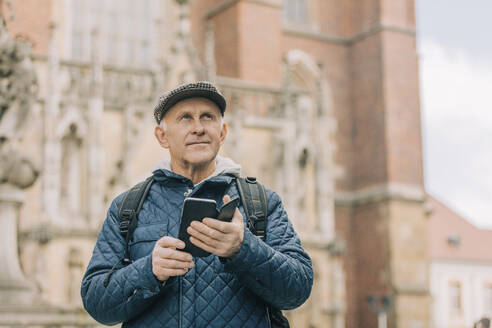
[(167, 261)]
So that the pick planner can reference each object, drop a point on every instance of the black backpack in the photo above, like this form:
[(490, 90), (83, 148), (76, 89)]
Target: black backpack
[(253, 198)]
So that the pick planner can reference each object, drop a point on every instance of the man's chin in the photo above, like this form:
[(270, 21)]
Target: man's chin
[(204, 160)]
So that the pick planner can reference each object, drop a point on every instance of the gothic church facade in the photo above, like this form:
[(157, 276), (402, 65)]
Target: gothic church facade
[(323, 107)]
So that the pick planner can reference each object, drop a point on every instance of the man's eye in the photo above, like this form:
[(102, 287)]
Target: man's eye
[(185, 117), (207, 116)]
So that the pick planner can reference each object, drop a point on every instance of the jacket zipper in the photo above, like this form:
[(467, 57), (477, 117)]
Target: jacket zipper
[(180, 300)]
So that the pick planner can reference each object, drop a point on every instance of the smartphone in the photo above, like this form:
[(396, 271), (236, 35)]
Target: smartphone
[(227, 211), (195, 209)]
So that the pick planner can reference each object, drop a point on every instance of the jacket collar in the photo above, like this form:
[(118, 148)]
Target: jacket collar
[(225, 170)]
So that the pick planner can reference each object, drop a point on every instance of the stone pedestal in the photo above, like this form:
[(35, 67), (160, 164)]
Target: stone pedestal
[(14, 288), (43, 316), (19, 306)]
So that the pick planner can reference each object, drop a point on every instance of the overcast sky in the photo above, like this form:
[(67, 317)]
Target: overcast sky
[(455, 48)]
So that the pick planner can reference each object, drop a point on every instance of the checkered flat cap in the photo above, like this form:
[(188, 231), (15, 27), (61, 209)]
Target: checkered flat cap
[(202, 89)]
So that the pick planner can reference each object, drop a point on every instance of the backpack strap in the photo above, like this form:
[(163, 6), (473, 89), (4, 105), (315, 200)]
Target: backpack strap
[(253, 198), (128, 212)]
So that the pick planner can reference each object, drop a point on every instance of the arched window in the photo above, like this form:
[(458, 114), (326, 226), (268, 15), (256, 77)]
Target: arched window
[(312, 180), (125, 28), (71, 171)]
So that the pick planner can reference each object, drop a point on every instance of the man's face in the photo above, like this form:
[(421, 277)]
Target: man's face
[(194, 132)]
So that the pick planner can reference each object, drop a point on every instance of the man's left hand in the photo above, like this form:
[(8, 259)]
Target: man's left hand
[(221, 238)]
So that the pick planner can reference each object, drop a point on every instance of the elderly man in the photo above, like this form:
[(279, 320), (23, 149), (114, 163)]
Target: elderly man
[(244, 278)]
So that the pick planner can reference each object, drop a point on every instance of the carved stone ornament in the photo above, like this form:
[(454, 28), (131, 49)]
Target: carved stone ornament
[(18, 89), (18, 86)]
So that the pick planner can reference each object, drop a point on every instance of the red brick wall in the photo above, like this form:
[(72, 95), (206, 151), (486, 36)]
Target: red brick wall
[(32, 20), (227, 42), (366, 13), (402, 107), (344, 230), (372, 252), (369, 149), (399, 13), (260, 44)]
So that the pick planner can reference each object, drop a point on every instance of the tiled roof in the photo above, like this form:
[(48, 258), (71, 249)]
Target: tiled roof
[(452, 237)]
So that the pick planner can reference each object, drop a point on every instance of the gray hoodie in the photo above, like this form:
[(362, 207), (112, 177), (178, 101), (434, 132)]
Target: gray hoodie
[(222, 165)]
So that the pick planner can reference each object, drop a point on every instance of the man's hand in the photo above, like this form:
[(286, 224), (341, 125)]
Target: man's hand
[(218, 237), (167, 261)]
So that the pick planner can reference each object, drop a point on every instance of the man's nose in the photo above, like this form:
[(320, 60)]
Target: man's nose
[(198, 127)]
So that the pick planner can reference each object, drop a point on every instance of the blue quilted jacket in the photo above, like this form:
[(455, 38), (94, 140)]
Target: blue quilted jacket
[(214, 293)]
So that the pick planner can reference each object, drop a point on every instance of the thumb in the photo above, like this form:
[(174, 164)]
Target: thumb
[(237, 217), (226, 199)]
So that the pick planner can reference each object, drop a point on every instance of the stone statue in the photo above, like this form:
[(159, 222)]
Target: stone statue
[(18, 90)]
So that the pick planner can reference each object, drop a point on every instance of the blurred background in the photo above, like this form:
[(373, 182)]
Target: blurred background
[(371, 118)]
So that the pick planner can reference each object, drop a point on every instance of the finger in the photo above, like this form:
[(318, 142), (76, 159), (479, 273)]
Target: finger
[(168, 241), (202, 237), (169, 253), (202, 245), (226, 199), (174, 264), (237, 217), (225, 227), (206, 230), (172, 272)]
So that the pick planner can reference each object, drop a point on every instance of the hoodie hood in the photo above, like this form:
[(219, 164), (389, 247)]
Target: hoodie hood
[(223, 165)]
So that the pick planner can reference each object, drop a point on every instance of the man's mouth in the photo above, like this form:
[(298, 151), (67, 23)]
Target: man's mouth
[(198, 143)]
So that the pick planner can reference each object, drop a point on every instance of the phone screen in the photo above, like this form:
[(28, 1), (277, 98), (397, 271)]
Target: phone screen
[(195, 209), (228, 209)]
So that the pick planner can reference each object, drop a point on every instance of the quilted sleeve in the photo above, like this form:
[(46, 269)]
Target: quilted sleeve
[(279, 271), (130, 289)]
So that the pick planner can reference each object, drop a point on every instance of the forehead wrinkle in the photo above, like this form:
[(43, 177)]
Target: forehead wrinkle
[(191, 106), (199, 103), (198, 110), (195, 112)]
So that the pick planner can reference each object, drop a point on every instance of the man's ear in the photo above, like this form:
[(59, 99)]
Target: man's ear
[(223, 133), (161, 136)]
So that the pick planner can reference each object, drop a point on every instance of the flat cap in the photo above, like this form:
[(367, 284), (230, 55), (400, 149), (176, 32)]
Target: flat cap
[(201, 89)]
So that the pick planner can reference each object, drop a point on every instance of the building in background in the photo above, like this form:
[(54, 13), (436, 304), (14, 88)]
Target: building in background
[(323, 107), (461, 269)]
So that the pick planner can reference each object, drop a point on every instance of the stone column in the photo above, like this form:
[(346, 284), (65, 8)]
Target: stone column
[(52, 151), (325, 126), (14, 289), (288, 135), (96, 109)]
